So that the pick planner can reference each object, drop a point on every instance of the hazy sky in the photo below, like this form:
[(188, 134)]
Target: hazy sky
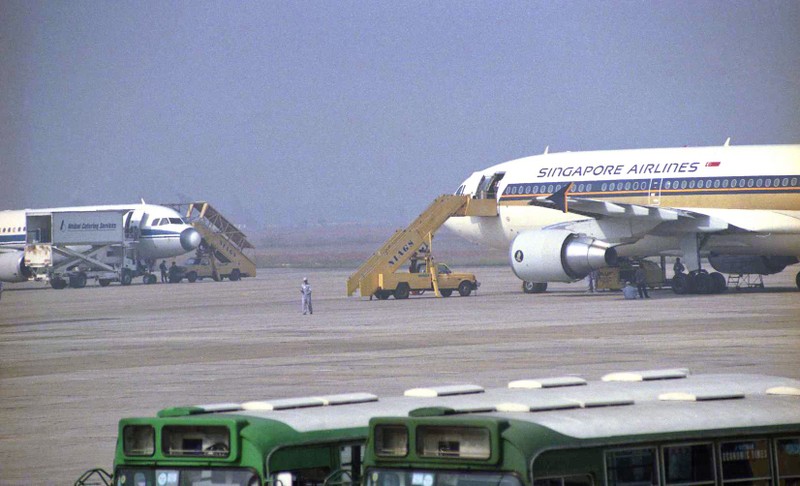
[(293, 112)]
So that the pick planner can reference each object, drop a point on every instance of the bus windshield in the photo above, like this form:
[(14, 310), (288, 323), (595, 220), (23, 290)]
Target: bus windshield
[(396, 477), (185, 477)]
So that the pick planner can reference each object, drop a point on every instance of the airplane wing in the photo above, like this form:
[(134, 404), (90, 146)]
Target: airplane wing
[(674, 220)]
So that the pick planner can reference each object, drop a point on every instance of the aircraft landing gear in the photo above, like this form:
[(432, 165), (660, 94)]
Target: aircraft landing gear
[(699, 282), (534, 287)]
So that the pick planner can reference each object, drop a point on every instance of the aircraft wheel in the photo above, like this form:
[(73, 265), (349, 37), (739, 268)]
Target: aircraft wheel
[(446, 292), (702, 283), (464, 288), (534, 287), (235, 275), (680, 283), (191, 276), (58, 283), (126, 277), (402, 291), (718, 283), (104, 282)]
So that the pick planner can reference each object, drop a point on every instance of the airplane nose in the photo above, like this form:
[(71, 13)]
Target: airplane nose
[(190, 239)]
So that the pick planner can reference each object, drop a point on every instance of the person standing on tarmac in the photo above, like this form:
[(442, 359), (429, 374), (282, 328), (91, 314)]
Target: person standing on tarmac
[(163, 268), (678, 266), (305, 293), (641, 281)]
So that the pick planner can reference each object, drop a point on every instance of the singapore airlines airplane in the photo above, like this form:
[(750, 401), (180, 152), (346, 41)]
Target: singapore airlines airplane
[(159, 232), (564, 214)]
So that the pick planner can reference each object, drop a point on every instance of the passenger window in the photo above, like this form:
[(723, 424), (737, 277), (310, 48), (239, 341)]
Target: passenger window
[(565, 481), (745, 461), (631, 467), (788, 462), (689, 464)]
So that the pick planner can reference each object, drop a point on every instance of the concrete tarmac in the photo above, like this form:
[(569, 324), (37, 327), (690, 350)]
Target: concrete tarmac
[(73, 362)]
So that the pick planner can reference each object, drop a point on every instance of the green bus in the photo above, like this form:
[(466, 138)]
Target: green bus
[(661, 427), (311, 441)]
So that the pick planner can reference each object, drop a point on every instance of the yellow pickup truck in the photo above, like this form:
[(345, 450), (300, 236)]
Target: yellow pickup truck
[(418, 280)]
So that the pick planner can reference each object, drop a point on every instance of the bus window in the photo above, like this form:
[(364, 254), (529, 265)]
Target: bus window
[(789, 462), (635, 467), (745, 461), (689, 464), (565, 481)]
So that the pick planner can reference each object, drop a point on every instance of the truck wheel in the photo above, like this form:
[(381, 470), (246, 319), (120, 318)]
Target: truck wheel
[(402, 291), (191, 276), (382, 294), (104, 282), (465, 288), (235, 275), (58, 283), (446, 292), (126, 277), (77, 281)]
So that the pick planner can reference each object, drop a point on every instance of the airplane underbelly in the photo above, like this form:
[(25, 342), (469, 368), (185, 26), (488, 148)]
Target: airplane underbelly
[(740, 244)]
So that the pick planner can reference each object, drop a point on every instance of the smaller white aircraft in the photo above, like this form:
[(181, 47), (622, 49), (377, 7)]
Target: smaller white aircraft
[(156, 231)]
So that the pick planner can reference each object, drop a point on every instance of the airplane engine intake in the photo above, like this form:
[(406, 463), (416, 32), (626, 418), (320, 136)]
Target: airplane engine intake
[(12, 267), (558, 255), (742, 264)]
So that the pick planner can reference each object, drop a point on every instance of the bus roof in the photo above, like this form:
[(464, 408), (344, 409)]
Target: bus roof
[(568, 405)]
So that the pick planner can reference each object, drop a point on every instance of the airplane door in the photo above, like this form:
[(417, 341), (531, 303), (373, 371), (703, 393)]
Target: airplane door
[(655, 192)]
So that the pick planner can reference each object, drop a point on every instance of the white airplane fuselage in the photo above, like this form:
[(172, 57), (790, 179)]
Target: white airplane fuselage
[(158, 232), (647, 202)]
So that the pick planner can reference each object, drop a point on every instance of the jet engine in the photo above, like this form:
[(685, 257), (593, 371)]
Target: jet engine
[(558, 255), (12, 267), (761, 265)]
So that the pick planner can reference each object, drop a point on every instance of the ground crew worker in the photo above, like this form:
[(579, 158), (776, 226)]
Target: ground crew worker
[(163, 268), (174, 273), (592, 280), (629, 291), (305, 293), (678, 266), (412, 268), (641, 281)]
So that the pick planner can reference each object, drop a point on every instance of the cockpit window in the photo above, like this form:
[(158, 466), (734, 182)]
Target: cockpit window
[(156, 222), (164, 221), (176, 220)]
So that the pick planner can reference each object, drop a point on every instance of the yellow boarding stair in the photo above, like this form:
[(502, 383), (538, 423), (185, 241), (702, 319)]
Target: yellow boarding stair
[(399, 248), (227, 242)]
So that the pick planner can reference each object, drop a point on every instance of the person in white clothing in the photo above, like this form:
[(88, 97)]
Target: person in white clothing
[(305, 292)]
